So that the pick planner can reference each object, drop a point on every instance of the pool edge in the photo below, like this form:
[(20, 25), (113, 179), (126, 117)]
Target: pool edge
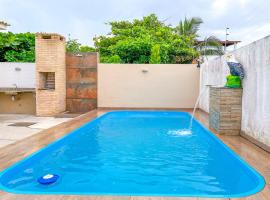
[(259, 188)]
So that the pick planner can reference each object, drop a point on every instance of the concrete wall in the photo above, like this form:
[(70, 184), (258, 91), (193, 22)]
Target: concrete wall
[(147, 86), (24, 103), (256, 87), (81, 82), (21, 75)]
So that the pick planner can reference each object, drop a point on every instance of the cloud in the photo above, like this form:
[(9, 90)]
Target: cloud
[(84, 19), (253, 33), (219, 7), (244, 2)]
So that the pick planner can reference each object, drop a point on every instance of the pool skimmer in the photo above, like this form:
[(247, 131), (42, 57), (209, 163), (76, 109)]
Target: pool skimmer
[(48, 179)]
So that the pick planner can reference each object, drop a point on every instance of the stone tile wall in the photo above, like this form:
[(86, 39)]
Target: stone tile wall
[(225, 110), (81, 82)]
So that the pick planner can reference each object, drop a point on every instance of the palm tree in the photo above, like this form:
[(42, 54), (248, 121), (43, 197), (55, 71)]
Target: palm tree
[(189, 27), (210, 46)]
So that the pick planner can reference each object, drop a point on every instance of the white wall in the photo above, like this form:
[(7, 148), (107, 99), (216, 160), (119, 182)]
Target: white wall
[(9, 76), (163, 86), (255, 59)]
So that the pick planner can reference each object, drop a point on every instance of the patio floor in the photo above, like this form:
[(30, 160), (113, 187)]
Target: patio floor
[(255, 156), (15, 127)]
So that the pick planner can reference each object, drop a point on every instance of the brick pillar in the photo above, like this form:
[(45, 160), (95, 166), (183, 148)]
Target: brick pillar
[(50, 74), (225, 110)]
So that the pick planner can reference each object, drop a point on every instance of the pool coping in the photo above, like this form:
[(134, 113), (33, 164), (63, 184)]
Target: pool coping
[(93, 118)]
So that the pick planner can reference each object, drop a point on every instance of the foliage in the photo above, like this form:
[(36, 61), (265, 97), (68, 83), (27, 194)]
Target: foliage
[(112, 59), (22, 56), (87, 49), (73, 46), (18, 47), (210, 46), (133, 41), (147, 40), (155, 54), (189, 27)]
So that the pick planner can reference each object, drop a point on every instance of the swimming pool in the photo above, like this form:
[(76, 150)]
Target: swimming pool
[(136, 153)]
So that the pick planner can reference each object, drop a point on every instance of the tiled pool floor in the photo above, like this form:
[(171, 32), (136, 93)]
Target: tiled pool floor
[(12, 153)]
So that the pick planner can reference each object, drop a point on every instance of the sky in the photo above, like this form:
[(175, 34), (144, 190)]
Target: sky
[(248, 20)]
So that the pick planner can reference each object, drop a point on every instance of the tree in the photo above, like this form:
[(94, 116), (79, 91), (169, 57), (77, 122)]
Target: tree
[(18, 47), (189, 27), (133, 40), (113, 59), (21, 56), (73, 46), (210, 46), (87, 49), (155, 54)]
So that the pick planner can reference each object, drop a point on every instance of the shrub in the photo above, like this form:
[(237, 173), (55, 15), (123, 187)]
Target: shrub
[(114, 59), (18, 47), (155, 54)]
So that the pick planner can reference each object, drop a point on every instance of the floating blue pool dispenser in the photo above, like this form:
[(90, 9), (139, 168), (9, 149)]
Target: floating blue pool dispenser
[(48, 179)]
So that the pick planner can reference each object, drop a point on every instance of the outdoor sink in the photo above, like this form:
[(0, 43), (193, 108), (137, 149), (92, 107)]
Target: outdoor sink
[(11, 92), (15, 91)]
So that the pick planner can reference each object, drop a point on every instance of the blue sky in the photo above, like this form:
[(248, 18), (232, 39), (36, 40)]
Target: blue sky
[(248, 20)]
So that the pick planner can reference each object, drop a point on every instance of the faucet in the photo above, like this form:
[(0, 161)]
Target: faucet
[(15, 85)]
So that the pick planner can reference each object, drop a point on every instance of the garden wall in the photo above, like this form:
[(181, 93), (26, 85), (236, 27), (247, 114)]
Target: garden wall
[(256, 88), (147, 86), (21, 75), (17, 88)]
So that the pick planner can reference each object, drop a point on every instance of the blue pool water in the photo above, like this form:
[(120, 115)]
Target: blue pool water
[(136, 153)]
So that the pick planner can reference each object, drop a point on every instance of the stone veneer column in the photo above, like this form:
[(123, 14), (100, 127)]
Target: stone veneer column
[(50, 74), (225, 110)]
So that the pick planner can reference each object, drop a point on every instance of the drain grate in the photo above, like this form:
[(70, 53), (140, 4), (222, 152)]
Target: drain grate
[(23, 124)]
